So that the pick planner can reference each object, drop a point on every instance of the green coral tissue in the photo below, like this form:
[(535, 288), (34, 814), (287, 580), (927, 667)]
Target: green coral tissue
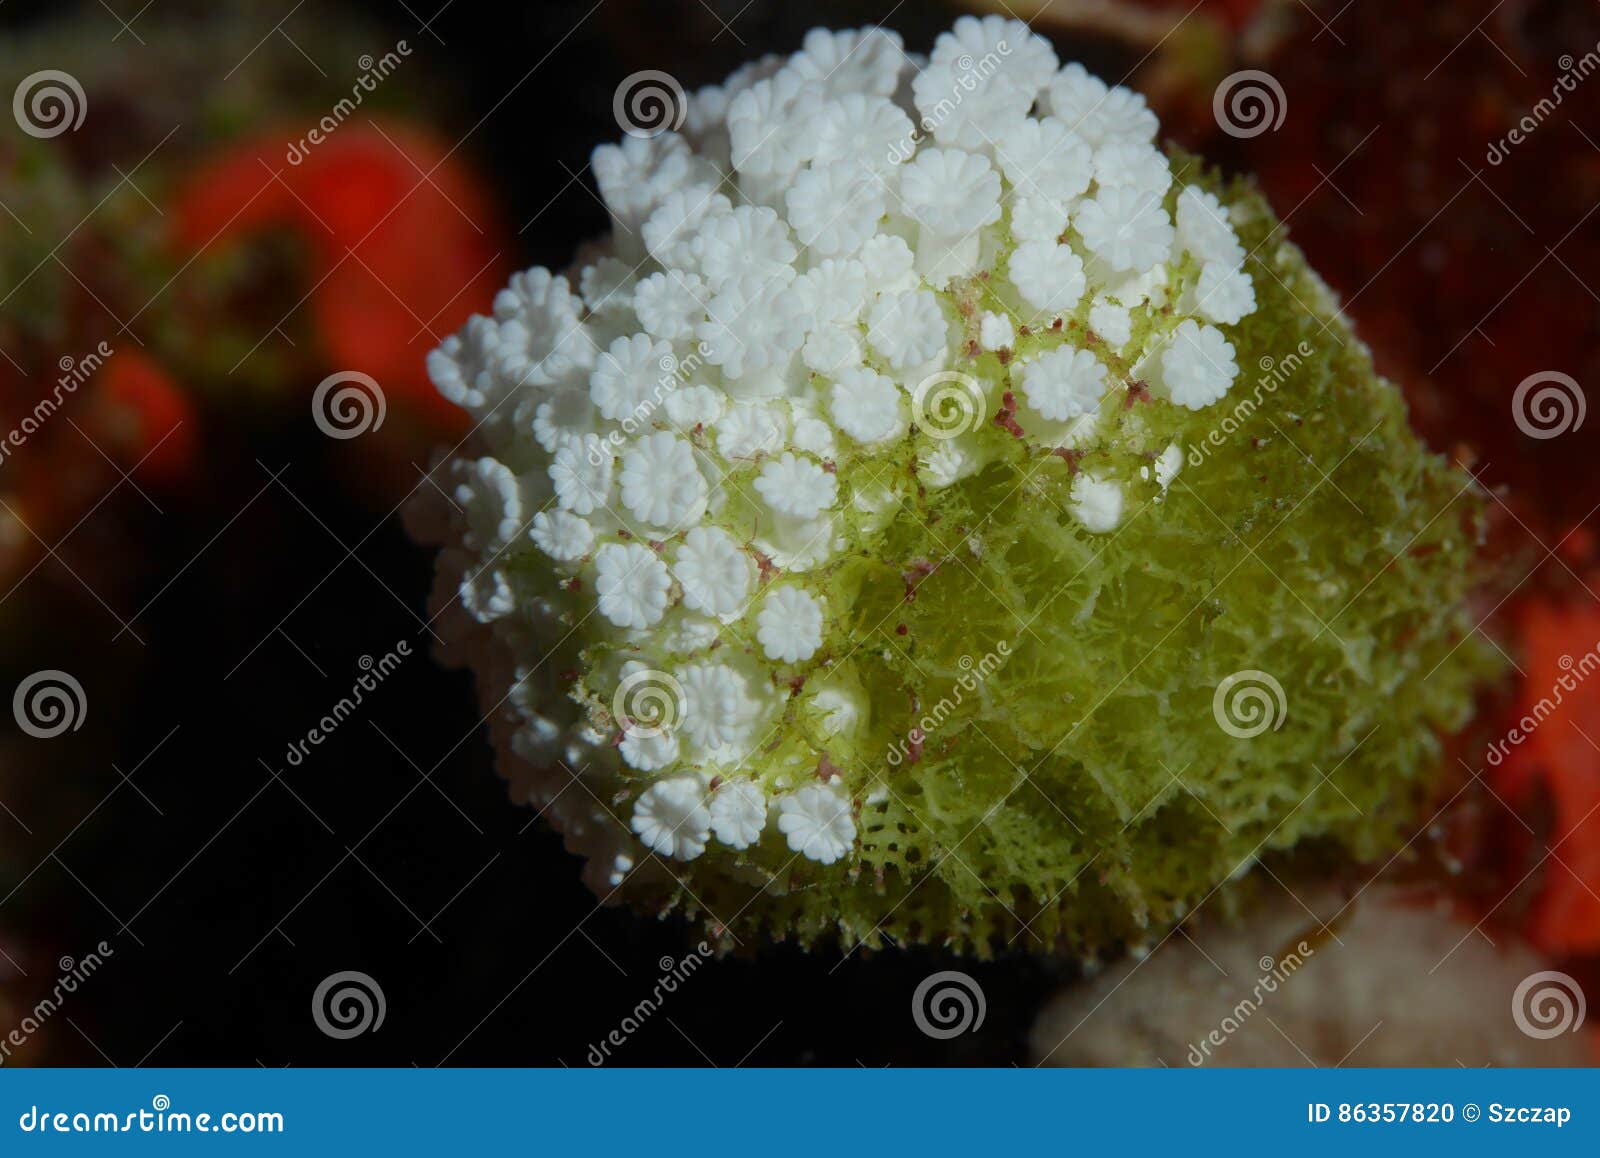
[(935, 513)]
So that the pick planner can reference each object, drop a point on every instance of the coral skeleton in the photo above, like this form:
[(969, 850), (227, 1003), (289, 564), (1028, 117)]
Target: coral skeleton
[(856, 542)]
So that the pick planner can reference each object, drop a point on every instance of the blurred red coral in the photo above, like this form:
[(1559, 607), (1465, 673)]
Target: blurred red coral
[(147, 420), (400, 237), (1559, 756)]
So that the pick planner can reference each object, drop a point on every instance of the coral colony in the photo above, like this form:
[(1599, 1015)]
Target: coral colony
[(876, 407)]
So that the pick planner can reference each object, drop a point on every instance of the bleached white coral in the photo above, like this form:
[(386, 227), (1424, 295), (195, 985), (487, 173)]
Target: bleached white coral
[(797, 486), (1065, 383), (1049, 276), (1097, 502), (1098, 113), (670, 817), (1198, 367), (714, 570), (661, 484), (908, 329), (866, 405), (1126, 227), (817, 822), (631, 584), (790, 625), (856, 281), (739, 813)]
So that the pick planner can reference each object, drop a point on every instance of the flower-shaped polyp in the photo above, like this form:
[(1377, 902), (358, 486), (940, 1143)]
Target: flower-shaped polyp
[(858, 552)]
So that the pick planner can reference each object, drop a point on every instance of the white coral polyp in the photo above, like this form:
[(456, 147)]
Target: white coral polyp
[(681, 443), (661, 484), (1064, 384), (714, 570), (631, 584), (798, 487), (670, 818), (1198, 367), (739, 813), (1049, 276), (817, 822), (790, 625)]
